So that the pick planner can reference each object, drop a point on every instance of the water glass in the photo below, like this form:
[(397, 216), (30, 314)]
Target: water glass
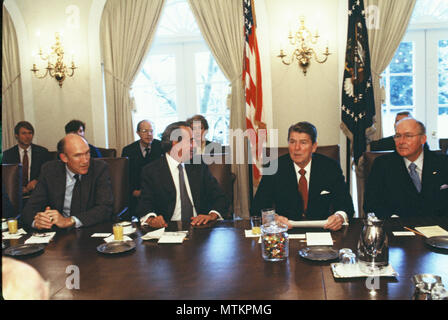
[(343, 251), (118, 232), (255, 222), (12, 226), (268, 215)]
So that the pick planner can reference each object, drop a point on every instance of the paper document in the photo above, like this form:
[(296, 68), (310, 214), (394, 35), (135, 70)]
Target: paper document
[(319, 239), (296, 236), (100, 235), (249, 234), (432, 231), (112, 238), (172, 237), (403, 233), (41, 238), (308, 224)]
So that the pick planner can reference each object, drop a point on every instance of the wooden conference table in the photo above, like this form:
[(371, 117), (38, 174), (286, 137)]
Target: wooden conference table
[(219, 262)]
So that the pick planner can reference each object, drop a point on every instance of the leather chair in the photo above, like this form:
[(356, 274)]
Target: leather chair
[(363, 169), (108, 153), (119, 175), (223, 174), (443, 145), (12, 180), (331, 151)]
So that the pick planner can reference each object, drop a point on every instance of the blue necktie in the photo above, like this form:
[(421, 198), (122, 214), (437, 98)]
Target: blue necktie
[(414, 176)]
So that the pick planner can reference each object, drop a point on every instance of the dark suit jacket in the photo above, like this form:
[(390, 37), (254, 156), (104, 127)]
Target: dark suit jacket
[(39, 155), (96, 193), (94, 152), (137, 161), (281, 190), (159, 192), (390, 190)]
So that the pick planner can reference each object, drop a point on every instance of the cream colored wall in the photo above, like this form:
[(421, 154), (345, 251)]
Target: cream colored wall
[(296, 97), (50, 106)]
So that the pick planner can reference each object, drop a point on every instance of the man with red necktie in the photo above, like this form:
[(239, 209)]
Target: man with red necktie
[(306, 185)]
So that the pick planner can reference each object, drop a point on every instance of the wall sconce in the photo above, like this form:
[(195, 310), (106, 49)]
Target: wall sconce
[(305, 44), (56, 67)]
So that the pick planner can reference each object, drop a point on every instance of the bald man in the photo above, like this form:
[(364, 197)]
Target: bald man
[(20, 281), (73, 192), (412, 181)]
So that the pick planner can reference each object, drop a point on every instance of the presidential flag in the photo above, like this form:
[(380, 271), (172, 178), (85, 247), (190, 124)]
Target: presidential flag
[(253, 91), (358, 106)]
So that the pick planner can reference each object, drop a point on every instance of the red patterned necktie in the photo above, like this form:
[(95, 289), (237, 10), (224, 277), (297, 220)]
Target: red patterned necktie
[(25, 165), (303, 189)]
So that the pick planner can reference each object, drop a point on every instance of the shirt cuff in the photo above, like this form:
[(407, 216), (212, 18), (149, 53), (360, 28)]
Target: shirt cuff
[(143, 219), (78, 223), (219, 215), (344, 216)]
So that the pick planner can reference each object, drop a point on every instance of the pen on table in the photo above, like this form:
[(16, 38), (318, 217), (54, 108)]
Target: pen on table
[(416, 232)]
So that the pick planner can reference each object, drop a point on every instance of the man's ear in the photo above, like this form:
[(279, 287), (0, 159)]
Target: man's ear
[(63, 157)]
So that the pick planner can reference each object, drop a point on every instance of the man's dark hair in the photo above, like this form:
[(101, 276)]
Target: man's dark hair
[(74, 125), (166, 142), (304, 127), (23, 124), (198, 117)]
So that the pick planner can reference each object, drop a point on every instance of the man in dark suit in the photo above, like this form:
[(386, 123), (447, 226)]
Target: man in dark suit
[(305, 185), (174, 189), (31, 156), (412, 181), (388, 143), (140, 153), (74, 192), (79, 127)]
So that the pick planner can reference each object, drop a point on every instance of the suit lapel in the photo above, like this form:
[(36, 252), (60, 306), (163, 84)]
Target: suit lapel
[(406, 182), (165, 175), (16, 155), (292, 185), (59, 185), (315, 181)]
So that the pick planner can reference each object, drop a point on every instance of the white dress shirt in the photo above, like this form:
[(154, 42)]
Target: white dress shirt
[(307, 176), (418, 163), (177, 214)]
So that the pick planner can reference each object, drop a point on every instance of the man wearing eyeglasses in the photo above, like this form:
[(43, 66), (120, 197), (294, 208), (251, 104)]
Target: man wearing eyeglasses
[(412, 181), (140, 153)]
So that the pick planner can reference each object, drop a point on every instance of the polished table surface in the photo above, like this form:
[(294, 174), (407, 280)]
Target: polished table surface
[(219, 262)]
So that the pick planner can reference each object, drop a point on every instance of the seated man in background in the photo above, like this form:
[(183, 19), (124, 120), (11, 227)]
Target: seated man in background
[(388, 143), (31, 156), (412, 181), (306, 185), (173, 189), (140, 153), (199, 125), (21, 281), (74, 192), (79, 127)]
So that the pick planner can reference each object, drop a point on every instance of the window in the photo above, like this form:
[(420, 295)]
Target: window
[(180, 77), (417, 78)]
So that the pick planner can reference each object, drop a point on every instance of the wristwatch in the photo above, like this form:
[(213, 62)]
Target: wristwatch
[(73, 220)]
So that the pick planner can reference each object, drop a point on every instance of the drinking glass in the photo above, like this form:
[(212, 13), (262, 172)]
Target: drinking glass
[(12, 225), (255, 222), (267, 215), (118, 231)]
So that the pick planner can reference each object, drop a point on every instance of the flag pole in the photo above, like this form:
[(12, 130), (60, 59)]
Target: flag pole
[(348, 163)]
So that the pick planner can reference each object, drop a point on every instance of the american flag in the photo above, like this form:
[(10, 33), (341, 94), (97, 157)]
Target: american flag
[(253, 88)]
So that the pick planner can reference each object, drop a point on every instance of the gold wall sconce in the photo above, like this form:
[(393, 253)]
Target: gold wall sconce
[(56, 67), (305, 47)]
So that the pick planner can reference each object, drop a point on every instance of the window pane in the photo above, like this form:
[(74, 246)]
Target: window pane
[(402, 61), (212, 90), (155, 92), (401, 91), (442, 119)]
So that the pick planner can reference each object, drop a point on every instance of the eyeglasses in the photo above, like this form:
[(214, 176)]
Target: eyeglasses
[(407, 136), (146, 131)]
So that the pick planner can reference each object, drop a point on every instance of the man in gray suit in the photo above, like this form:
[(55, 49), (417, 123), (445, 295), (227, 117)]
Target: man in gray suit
[(74, 192)]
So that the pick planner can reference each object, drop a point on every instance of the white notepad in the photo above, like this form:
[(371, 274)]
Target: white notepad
[(319, 239)]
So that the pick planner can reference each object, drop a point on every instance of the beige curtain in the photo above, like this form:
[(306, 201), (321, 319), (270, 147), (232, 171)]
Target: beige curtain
[(12, 99), (127, 28), (384, 39), (221, 24)]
